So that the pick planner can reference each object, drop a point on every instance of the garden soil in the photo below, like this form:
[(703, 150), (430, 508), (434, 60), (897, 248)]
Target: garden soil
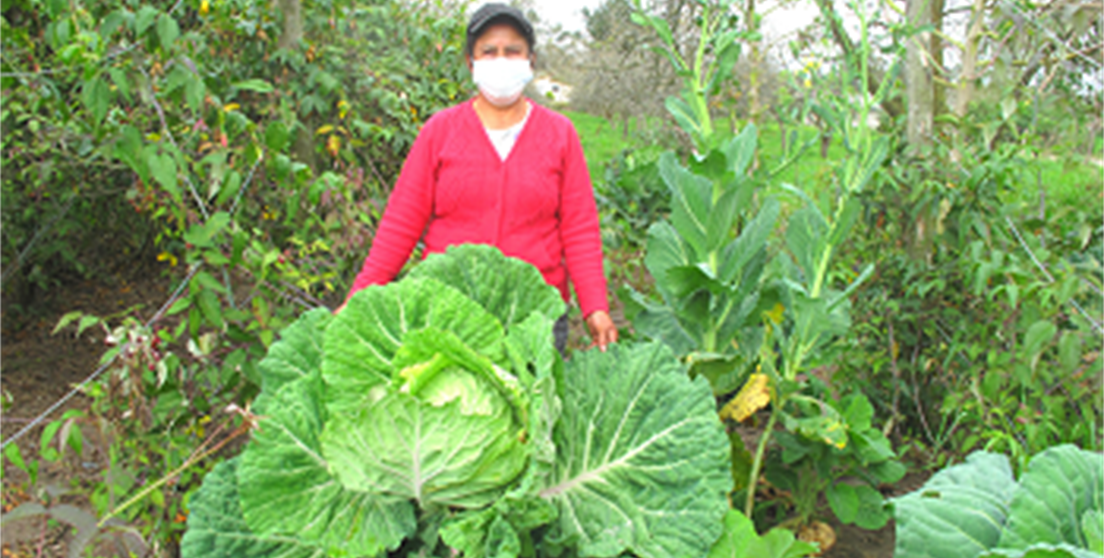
[(38, 368)]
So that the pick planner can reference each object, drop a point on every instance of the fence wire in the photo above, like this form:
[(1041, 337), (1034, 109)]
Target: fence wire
[(91, 377)]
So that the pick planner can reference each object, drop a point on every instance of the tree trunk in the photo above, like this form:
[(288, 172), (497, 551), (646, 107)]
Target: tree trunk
[(968, 78), (918, 80), (940, 89), (303, 148), (293, 24)]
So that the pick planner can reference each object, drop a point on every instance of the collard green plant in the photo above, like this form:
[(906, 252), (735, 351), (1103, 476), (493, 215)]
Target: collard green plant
[(979, 509), (435, 414), (708, 280)]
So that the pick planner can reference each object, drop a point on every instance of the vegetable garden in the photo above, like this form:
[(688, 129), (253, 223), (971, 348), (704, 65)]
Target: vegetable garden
[(803, 332)]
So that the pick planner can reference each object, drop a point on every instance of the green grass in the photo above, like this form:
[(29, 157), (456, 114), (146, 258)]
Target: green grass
[(601, 139), (1072, 182)]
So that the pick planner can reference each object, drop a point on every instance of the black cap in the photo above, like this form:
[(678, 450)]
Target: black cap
[(496, 12)]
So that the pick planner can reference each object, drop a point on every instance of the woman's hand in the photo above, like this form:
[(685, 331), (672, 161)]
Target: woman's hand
[(602, 329)]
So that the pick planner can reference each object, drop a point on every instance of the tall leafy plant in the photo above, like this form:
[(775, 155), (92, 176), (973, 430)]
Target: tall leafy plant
[(815, 315), (725, 306), (708, 281)]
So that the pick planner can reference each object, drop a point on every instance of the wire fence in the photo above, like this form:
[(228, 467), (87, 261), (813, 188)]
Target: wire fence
[(195, 267), (92, 377)]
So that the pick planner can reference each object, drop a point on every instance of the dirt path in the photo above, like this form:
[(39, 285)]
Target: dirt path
[(37, 369)]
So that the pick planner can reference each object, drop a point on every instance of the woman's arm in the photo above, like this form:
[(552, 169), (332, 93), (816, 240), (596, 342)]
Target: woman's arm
[(582, 241)]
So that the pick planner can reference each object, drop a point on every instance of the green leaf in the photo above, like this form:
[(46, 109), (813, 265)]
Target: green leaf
[(66, 320), (119, 78), (740, 540), (740, 150), (508, 288), (1061, 484), (128, 149), (1040, 550), (859, 413), (194, 91), (752, 240), (97, 97), (486, 534), (721, 221), (143, 19), (87, 322), (844, 502), (1037, 337), (14, 455), (298, 353), (276, 136), (611, 444), (167, 30), (411, 449), (163, 168), (363, 339), (958, 513), (684, 116), (690, 201), (1092, 526), (287, 488), (805, 237), (871, 513), (211, 307), (1069, 351), (217, 529), (258, 85), (666, 250), (230, 188), (736, 538)]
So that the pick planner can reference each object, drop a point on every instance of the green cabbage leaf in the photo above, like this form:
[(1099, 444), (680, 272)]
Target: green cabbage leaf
[(435, 415), (979, 509)]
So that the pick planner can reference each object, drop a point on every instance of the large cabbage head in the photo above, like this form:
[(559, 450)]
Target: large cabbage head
[(423, 400)]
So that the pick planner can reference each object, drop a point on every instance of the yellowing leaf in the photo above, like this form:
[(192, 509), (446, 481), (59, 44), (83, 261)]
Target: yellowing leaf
[(231, 107), (342, 108), (333, 145), (165, 256), (324, 130), (775, 313), (204, 7), (753, 396)]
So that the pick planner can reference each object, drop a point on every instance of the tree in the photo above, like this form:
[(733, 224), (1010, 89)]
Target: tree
[(620, 75), (918, 79)]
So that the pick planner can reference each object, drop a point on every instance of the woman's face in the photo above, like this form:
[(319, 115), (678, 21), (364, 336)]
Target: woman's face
[(500, 40)]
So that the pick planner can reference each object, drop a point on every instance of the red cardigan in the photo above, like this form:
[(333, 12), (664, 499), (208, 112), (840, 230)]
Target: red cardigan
[(537, 205)]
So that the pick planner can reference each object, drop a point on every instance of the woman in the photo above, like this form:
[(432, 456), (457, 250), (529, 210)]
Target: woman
[(500, 170)]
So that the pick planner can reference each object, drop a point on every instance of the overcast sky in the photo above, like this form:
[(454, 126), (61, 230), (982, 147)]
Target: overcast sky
[(569, 13)]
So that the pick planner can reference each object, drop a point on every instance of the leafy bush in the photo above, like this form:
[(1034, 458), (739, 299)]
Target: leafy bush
[(437, 409), (978, 509)]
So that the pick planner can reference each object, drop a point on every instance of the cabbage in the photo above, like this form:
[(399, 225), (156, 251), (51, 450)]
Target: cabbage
[(978, 509), (435, 414)]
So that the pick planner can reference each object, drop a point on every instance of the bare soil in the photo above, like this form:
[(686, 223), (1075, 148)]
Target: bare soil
[(37, 369)]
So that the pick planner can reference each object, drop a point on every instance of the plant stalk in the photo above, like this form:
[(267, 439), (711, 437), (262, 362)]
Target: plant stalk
[(195, 458), (757, 463)]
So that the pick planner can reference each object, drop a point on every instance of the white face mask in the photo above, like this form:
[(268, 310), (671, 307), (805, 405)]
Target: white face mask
[(501, 80)]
